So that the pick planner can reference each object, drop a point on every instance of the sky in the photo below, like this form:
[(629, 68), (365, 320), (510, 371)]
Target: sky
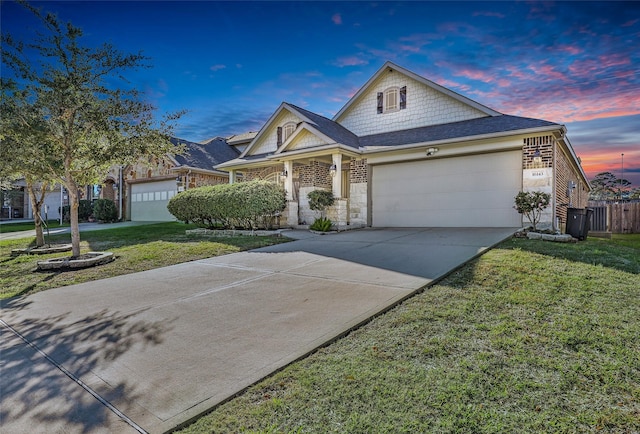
[(231, 64)]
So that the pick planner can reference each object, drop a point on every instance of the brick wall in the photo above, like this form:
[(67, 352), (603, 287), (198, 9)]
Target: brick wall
[(271, 173), (564, 174), (542, 143), (425, 106), (315, 174), (358, 171)]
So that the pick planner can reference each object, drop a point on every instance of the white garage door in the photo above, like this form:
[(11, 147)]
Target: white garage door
[(469, 191), (149, 201)]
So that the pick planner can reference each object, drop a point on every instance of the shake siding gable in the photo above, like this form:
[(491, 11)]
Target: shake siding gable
[(424, 106), (268, 141), (305, 140)]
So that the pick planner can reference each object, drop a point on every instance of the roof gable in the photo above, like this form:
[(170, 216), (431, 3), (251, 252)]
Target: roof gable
[(427, 103), (266, 141)]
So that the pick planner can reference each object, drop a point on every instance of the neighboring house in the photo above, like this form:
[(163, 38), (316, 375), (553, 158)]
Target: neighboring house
[(16, 203), (406, 152), (150, 184)]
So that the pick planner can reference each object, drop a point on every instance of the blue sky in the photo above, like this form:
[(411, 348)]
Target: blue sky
[(231, 64)]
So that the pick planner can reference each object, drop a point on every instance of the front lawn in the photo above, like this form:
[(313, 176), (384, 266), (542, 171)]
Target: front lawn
[(531, 337), (137, 248)]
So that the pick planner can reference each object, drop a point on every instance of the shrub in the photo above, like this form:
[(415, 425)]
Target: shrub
[(321, 224), (105, 210), (248, 205), (85, 209), (531, 204), (319, 200)]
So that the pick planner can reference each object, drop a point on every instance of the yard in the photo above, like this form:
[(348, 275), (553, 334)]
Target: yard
[(531, 337), (136, 249)]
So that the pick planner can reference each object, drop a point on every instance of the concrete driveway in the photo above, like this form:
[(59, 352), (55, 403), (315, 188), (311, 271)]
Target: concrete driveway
[(148, 351)]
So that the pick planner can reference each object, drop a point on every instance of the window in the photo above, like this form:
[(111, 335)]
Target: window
[(287, 130), (392, 99), (283, 132)]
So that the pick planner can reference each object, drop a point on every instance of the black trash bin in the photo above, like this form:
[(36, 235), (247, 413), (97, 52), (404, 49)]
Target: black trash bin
[(578, 222)]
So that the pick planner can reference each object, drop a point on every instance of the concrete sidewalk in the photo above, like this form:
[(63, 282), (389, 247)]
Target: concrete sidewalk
[(163, 346)]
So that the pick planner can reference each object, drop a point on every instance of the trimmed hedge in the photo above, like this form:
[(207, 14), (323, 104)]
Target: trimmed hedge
[(246, 205), (105, 210)]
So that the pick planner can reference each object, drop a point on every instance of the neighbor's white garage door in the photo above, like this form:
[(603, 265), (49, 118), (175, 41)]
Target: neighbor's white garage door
[(476, 191), (149, 201)]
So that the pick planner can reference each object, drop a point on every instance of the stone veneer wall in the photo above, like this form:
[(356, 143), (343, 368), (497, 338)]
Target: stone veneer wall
[(358, 173)]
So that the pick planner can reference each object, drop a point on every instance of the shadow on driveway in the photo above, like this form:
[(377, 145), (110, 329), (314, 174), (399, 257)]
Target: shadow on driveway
[(166, 345)]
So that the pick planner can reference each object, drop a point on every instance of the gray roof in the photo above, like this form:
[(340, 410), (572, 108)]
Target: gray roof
[(330, 128), (205, 156), (473, 127)]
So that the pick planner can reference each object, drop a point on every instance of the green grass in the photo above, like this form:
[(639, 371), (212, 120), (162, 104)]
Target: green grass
[(29, 226), (531, 337), (137, 248)]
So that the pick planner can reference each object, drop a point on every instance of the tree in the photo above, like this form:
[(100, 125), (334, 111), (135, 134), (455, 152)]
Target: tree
[(20, 129), (606, 186), (531, 204), (86, 114)]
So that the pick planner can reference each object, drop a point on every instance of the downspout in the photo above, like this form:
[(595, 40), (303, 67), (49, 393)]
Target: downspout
[(554, 217), (119, 193)]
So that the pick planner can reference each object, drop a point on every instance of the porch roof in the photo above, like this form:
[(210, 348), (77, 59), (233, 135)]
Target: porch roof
[(331, 129)]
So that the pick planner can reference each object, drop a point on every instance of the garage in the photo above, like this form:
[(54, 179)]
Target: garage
[(466, 191), (149, 200)]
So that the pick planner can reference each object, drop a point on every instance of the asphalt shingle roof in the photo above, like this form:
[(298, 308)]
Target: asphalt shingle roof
[(205, 156), (473, 127), (330, 128)]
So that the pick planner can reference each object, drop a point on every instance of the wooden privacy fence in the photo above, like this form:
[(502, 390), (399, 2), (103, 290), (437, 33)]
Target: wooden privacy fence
[(617, 218)]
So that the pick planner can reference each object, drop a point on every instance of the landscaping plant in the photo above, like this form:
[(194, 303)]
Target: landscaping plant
[(249, 205), (319, 200), (531, 204), (105, 210)]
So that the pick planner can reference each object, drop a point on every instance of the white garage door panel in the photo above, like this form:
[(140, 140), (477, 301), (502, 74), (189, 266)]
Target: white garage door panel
[(476, 191), (149, 201)]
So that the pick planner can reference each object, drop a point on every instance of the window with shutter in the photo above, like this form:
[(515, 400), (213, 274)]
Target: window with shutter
[(403, 97), (287, 130), (391, 99)]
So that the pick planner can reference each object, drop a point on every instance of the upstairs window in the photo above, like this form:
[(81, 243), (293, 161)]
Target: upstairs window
[(284, 132), (392, 99), (287, 130)]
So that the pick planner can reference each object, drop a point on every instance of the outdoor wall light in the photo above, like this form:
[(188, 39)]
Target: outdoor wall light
[(537, 156), (333, 169), (283, 175), (431, 151)]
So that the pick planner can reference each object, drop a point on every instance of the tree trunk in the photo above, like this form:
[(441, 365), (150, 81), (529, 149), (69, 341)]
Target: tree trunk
[(72, 190), (36, 206)]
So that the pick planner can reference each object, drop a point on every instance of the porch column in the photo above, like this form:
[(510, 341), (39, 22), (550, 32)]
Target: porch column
[(337, 179), (288, 181), (232, 176)]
